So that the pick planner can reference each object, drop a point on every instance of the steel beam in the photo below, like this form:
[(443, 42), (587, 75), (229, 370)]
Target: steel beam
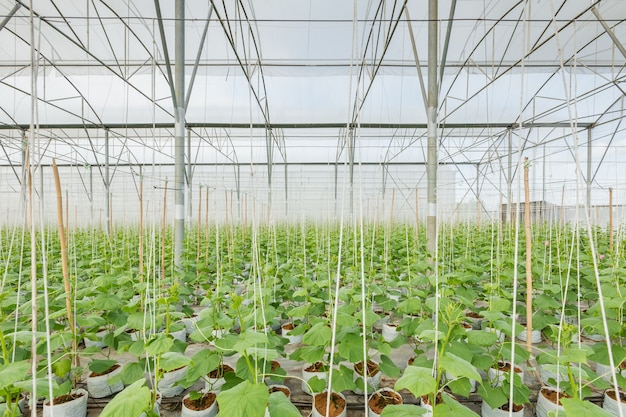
[(8, 17), (609, 32), (332, 125)]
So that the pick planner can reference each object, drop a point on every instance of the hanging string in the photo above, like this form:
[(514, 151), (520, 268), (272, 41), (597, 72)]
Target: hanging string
[(572, 112)]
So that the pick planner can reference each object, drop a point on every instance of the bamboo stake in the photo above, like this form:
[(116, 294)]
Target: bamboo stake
[(610, 220), (529, 281), (64, 264), (141, 229), (163, 224), (67, 216)]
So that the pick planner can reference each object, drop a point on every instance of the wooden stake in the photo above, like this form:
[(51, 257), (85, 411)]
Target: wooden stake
[(610, 220), (529, 280), (64, 264)]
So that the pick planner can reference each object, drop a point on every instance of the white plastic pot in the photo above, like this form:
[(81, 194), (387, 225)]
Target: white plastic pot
[(427, 407), (282, 387), (390, 331), (156, 408), (98, 342), (190, 323), (545, 406), (75, 408), (215, 384), (99, 387), (487, 411), (373, 381), (211, 411), (384, 391), (611, 405), (286, 333), (548, 372), (316, 413), (378, 324), (307, 375), (180, 334), (535, 336), (166, 385), (497, 377), (21, 406), (604, 371)]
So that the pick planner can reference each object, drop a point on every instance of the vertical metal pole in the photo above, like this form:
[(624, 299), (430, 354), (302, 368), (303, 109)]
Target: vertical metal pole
[(543, 175), (478, 203), (24, 168), (610, 220), (351, 167), (189, 181), (336, 191), (179, 157), (589, 174), (432, 161), (91, 190), (107, 181), (509, 181), (286, 190), (270, 161)]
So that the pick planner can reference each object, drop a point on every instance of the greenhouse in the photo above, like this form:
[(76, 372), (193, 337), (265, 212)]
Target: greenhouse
[(234, 207)]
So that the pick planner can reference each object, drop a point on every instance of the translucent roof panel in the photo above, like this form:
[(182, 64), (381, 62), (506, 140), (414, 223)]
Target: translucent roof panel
[(296, 62)]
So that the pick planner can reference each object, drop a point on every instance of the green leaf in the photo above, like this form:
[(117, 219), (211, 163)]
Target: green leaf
[(101, 365), (13, 372), (249, 339), (131, 402), (402, 410), (388, 367), (202, 363), (160, 344), (576, 407), (494, 396), (481, 338), (343, 379), (243, 400), (452, 408), (281, 406), (318, 335), (458, 367), (351, 347), (418, 380), (62, 367), (173, 360), (132, 372)]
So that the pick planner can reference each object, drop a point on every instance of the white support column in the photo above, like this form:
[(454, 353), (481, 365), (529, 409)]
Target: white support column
[(179, 132), (433, 146)]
